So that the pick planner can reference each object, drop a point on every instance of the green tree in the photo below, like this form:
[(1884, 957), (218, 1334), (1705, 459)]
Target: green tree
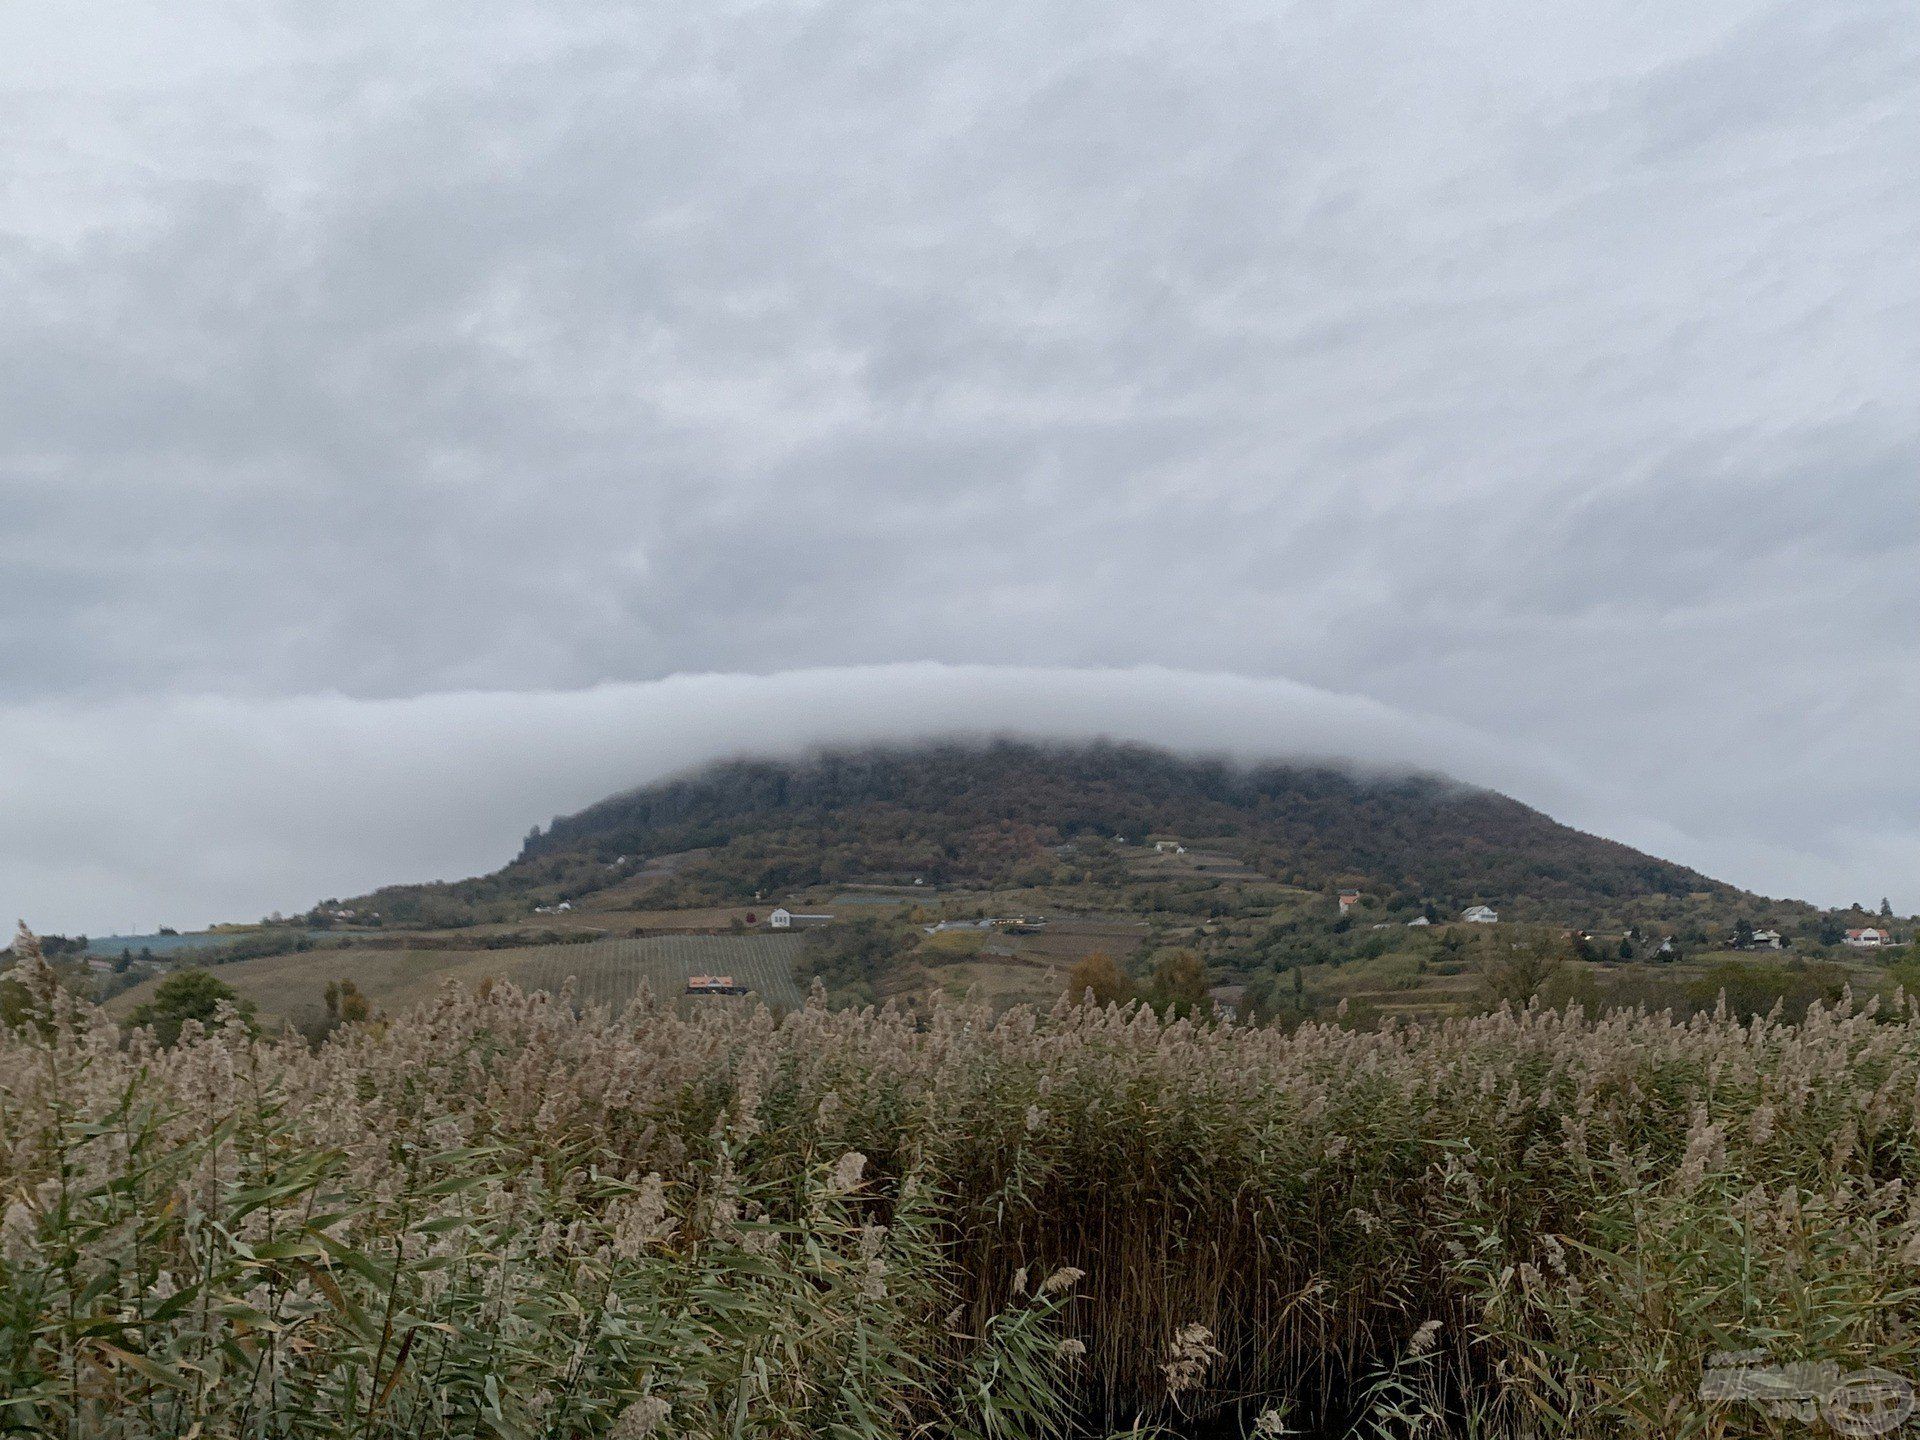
[(1752, 990), (187, 995), (1515, 972), (1179, 984)]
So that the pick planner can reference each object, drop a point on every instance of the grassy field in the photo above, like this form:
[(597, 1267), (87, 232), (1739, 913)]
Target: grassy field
[(610, 972), (289, 987)]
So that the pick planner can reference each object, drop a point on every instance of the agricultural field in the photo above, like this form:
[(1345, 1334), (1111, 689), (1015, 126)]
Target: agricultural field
[(611, 972)]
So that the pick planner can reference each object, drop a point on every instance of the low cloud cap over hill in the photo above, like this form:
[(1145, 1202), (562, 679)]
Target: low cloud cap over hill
[(200, 808)]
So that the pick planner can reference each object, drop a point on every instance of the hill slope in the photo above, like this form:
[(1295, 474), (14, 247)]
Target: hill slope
[(1016, 813), (987, 812), (916, 851)]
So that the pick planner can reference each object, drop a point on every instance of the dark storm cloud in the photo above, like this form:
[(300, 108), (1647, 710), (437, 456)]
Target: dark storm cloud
[(1550, 372)]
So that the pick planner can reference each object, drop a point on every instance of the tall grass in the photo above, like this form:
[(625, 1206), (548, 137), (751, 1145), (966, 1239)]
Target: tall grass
[(497, 1216)]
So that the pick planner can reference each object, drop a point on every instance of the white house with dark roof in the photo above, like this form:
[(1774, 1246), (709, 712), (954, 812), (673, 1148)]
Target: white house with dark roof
[(785, 919)]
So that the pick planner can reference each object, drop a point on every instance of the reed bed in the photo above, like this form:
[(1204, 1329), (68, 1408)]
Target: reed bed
[(505, 1215)]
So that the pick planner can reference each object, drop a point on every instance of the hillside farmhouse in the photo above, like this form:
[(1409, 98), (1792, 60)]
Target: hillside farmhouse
[(1867, 939), (785, 919), (1480, 915)]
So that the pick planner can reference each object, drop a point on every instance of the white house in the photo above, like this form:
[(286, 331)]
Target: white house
[(785, 919), (1480, 915), (1867, 939), (1348, 899)]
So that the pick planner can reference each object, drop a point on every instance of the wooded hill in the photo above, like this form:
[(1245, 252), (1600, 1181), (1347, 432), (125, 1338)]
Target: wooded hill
[(1013, 813)]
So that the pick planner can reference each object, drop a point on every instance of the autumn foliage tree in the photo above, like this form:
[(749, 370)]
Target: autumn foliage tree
[(1097, 976)]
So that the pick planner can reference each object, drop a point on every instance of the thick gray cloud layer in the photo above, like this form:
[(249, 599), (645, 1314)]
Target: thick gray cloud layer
[(1549, 371)]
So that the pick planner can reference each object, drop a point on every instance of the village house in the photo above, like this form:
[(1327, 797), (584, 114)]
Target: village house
[(1480, 915), (785, 919), (1867, 939), (1348, 899), (1766, 940)]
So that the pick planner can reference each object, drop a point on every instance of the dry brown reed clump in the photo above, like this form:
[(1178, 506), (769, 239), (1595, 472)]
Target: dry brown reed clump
[(498, 1216)]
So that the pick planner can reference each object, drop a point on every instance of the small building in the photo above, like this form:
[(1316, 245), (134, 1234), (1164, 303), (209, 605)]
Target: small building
[(714, 985), (1480, 915), (1419, 920), (1765, 940), (1348, 899), (785, 919), (1867, 939)]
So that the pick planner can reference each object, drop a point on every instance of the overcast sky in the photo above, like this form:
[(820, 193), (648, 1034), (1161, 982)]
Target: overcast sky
[(1539, 382)]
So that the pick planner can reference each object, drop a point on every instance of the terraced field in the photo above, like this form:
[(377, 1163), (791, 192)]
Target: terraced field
[(611, 972)]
